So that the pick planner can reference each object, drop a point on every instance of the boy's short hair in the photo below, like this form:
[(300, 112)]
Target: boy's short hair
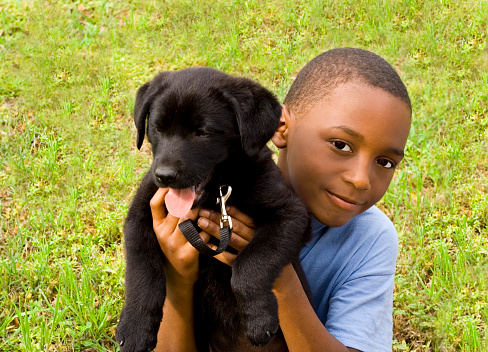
[(338, 66)]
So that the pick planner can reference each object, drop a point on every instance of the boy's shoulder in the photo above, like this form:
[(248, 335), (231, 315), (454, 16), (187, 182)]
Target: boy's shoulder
[(373, 218), (374, 230), (372, 222), (369, 233)]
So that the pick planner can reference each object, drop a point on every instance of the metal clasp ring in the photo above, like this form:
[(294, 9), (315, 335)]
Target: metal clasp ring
[(225, 220)]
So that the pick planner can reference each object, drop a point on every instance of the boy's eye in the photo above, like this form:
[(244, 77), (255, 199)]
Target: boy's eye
[(387, 164), (342, 146)]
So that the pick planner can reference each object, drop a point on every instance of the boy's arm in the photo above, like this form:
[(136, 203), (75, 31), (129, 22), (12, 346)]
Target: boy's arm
[(181, 267), (176, 331), (302, 329)]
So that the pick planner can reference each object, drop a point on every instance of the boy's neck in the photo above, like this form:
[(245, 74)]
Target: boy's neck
[(283, 166)]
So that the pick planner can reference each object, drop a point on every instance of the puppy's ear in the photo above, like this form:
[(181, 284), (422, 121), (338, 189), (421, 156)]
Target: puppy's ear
[(258, 114), (144, 99), (141, 112)]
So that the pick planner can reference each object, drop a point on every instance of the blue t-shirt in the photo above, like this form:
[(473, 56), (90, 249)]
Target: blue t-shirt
[(351, 271)]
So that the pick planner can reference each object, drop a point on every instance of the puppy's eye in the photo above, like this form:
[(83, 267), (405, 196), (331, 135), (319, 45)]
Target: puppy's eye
[(342, 146), (200, 132), (157, 126)]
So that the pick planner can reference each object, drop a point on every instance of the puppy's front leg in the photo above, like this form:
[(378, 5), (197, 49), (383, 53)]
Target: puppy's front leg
[(145, 286), (275, 244)]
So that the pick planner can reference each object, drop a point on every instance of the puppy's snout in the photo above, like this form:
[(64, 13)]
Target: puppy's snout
[(166, 174)]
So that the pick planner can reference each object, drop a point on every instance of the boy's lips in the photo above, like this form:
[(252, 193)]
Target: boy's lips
[(342, 202)]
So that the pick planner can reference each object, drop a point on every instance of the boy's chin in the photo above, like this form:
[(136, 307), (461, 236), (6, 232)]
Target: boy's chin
[(334, 220)]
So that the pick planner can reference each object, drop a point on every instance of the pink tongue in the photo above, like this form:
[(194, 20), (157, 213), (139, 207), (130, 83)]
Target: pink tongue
[(179, 201)]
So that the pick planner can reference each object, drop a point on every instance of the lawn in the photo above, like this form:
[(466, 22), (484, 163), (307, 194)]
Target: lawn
[(69, 71)]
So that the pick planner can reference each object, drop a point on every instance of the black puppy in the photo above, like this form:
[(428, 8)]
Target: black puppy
[(209, 129)]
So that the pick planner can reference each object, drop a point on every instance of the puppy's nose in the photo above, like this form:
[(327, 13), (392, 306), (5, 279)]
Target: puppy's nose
[(165, 174)]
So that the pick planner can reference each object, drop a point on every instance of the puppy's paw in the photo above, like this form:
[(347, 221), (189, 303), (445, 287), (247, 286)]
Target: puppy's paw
[(261, 320), (137, 332), (261, 331)]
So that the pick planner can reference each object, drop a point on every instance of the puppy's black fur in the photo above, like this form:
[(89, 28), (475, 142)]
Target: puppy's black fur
[(209, 129)]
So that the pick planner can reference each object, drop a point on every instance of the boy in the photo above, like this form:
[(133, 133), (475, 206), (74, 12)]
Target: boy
[(343, 129)]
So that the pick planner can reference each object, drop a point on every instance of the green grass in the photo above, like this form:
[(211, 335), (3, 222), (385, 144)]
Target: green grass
[(68, 75)]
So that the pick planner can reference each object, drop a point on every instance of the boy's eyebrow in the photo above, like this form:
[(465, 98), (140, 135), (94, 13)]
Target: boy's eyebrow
[(360, 137), (396, 151), (352, 133)]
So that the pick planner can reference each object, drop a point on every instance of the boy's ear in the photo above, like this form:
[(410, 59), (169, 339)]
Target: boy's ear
[(281, 135)]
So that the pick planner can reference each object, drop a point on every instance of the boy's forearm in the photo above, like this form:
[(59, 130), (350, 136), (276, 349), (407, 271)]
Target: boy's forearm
[(176, 332), (302, 329)]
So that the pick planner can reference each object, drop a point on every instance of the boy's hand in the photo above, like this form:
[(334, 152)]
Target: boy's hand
[(181, 258), (242, 234)]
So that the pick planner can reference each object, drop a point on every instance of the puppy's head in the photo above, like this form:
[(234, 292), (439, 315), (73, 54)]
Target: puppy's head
[(196, 118)]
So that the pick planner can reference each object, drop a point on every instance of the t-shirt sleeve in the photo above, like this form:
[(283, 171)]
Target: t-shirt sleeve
[(361, 308)]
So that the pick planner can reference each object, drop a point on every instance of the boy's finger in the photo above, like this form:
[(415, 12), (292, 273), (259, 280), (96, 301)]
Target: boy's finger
[(167, 227), (171, 221), (209, 226), (242, 234), (225, 257), (246, 233), (211, 215), (205, 238), (237, 214), (192, 215), (157, 205), (177, 237), (174, 221), (236, 240)]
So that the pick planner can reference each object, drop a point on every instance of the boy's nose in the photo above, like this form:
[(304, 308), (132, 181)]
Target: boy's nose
[(359, 176)]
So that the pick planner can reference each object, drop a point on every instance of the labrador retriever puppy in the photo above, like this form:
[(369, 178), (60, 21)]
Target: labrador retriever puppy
[(209, 129)]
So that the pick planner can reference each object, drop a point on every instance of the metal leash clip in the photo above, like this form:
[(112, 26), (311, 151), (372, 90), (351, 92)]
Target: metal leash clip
[(225, 220)]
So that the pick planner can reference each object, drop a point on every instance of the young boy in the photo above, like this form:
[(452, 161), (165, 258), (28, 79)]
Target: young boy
[(343, 129)]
